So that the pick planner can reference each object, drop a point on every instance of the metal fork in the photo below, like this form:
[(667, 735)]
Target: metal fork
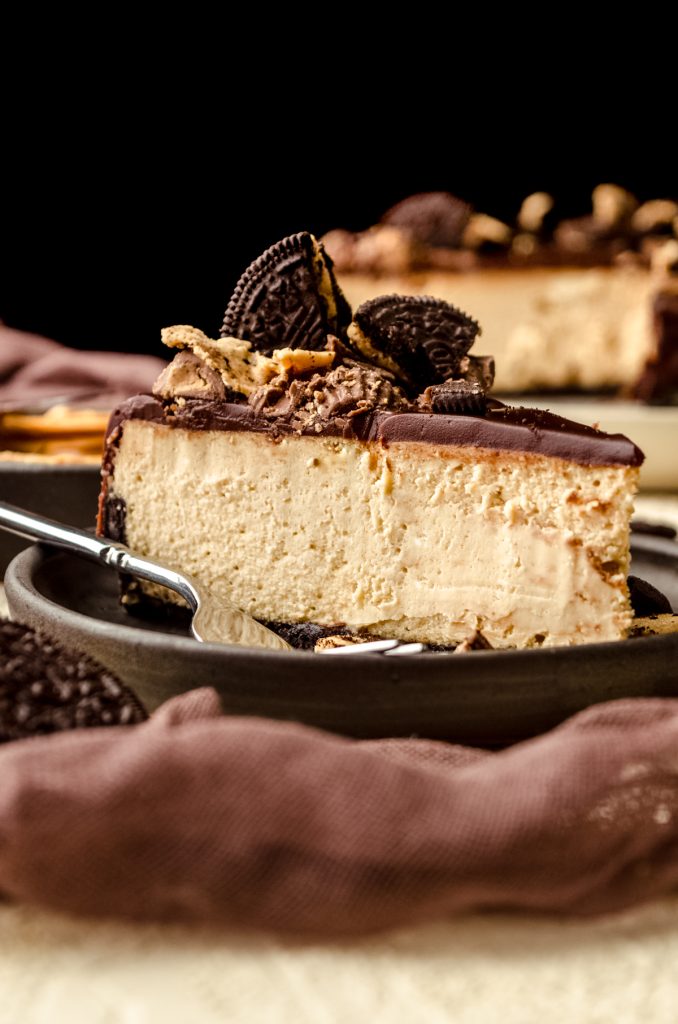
[(214, 620), (387, 647)]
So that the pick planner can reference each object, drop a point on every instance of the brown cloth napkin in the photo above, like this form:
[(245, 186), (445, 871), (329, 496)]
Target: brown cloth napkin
[(194, 816), (34, 369)]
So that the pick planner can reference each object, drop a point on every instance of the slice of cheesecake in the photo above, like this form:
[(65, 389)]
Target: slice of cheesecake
[(419, 525), (370, 484), (577, 305), (366, 482)]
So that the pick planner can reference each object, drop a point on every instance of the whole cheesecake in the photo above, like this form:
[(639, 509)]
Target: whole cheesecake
[(350, 471), (589, 304)]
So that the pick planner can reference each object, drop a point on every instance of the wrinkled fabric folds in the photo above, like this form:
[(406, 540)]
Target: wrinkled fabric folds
[(244, 821), (35, 369)]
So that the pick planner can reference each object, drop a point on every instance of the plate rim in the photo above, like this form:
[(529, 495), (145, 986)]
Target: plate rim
[(20, 574)]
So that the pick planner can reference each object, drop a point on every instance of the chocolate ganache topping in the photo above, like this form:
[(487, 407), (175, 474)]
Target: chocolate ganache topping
[(400, 371)]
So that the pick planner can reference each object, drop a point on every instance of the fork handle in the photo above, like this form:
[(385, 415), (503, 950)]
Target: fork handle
[(109, 552)]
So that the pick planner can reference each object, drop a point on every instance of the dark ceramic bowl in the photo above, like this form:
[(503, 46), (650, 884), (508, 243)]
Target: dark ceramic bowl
[(66, 493), (487, 698)]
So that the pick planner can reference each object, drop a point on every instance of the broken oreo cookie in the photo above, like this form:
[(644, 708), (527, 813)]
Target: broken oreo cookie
[(288, 298), (646, 599), (304, 636), (46, 688), (437, 219), (455, 398), (422, 340)]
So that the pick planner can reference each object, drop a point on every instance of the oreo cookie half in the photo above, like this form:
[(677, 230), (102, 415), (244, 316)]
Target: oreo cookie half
[(46, 688), (646, 599), (417, 337), (288, 298), (437, 219)]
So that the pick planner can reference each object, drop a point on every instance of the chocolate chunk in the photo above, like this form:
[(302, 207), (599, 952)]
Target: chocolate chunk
[(456, 398), (288, 298), (437, 219), (475, 642), (46, 688), (653, 529), (646, 599), (268, 398), (419, 338)]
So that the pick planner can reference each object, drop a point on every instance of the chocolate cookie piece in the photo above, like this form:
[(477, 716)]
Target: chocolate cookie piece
[(303, 635), (46, 688), (646, 599), (288, 298), (455, 397), (437, 219), (420, 339)]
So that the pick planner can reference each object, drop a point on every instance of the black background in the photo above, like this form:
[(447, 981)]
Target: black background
[(110, 234)]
